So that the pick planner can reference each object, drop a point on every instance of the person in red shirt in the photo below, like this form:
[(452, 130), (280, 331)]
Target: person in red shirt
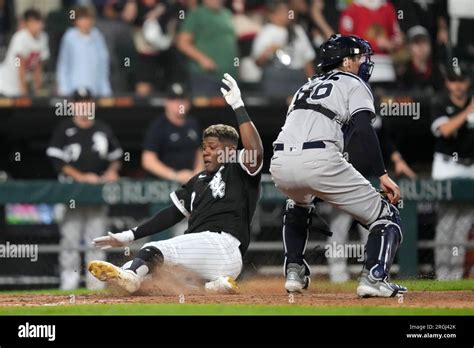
[(375, 21)]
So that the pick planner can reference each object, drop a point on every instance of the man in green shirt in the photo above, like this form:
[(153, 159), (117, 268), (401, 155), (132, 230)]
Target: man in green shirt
[(208, 38)]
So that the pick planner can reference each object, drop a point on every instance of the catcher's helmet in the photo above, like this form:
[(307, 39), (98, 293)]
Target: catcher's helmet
[(338, 47)]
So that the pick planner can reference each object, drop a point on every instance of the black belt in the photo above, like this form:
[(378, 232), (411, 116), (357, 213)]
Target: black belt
[(308, 145), (316, 107), (464, 161)]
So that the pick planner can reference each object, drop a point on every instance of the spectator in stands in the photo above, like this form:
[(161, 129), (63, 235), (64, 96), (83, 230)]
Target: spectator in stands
[(159, 63), (209, 40), (299, 12), (118, 37), (57, 23), (421, 73), (248, 21), (375, 21), (283, 51), (83, 150), (432, 15), (453, 127), (6, 20), (322, 30), (171, 149), (83, 60), (309, 15), (462, 26), (43, 6), (26, 54)]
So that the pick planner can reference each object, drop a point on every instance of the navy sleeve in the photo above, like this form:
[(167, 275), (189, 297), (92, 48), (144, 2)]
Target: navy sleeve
[(387, 143), (369, 141), (153, 137)]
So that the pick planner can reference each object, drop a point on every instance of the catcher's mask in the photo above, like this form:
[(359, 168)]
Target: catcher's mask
[(338, 47)]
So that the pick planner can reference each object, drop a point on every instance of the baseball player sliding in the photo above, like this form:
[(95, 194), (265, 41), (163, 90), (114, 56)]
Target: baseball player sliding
[(308, 163), (220, 203)]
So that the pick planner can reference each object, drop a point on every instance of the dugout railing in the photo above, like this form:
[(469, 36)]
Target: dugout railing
[(133, 192)]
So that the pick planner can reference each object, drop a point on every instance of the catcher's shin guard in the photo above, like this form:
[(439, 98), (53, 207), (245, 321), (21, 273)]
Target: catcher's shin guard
[(382, 244), (296, 224)]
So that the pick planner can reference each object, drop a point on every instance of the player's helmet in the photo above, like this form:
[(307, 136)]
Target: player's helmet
[(338, 47)]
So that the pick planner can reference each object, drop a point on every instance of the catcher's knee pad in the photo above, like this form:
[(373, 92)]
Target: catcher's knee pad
[(296, 225), (382, 244), (148, 256)]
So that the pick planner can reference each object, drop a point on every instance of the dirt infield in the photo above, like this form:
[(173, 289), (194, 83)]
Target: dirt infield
[(252, 292)]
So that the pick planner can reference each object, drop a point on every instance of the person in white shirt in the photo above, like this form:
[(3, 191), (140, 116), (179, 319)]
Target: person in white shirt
[(25, 56), (284, 52)]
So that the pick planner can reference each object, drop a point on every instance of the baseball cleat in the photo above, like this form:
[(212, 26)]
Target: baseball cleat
[(296, 278), (222, 284), (106, 271), (378, 288)]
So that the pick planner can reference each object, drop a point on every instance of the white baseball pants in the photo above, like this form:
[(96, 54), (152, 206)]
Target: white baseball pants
[(208, 254)]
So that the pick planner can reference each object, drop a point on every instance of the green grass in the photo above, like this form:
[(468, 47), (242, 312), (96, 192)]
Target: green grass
[(223, 309), (196, 309), (411, 284), (436, 285)]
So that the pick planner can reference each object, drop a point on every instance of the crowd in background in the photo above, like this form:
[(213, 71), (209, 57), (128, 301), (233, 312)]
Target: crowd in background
[(424, 48), (115, 47)]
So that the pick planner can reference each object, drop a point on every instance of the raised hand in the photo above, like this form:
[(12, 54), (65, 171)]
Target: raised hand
[(233, 97)]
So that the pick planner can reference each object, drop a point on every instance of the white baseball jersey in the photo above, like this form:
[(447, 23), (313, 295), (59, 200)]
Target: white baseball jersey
[(33, 50), (343, 94)]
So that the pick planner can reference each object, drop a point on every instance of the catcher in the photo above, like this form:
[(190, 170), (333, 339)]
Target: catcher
[(308, 163), (220, 203)]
